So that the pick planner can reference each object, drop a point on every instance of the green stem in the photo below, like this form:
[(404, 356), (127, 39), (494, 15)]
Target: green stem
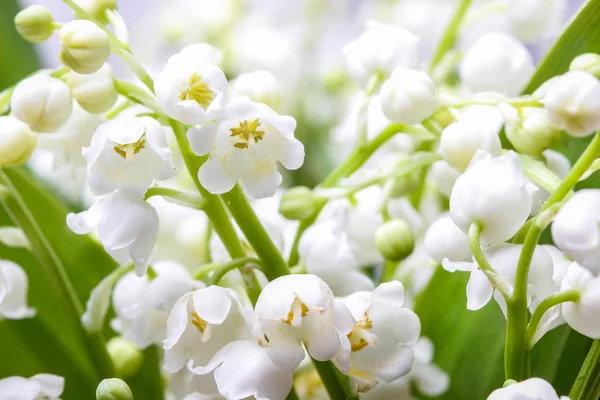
[(137, 94), (545, 305), (247, 262), (450, 35), (176, 196), (118, 109), (331, 378), (587, 384), (17, 209)]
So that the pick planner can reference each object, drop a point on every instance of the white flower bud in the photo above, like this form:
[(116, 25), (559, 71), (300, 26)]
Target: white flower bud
[(529, 20), (533, 388), (496, 62), (588, 62), (476, 130), (443, 177), (126, 356), (380, 49), (573, 103), (582, 315), (113, 389), (258, 86), (84, 46), (576, 229), (35, 24), (297, 203), (493, 192), (395, 240), (446, 243), (96, 93), (43, 102), (408, 96), (528, 129), (17, 142)]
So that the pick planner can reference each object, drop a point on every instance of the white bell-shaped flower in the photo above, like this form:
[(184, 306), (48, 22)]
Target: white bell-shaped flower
[(504, 259), (143, 304), (296, 309), (246, 146), (203, 51), (528, 129), (380, 49), (379, 343), (38, 387), (443, 177), (191, 89), (325, 252), (13, 292), (42, 102), (243, 369), (200, 324), (531, 20), (496, 62), (532, 388), (582, 315), (258, 86), (575, 229), (96, 93), (17, 141), (127, 154), (573, 102), (494, 192), (127, 227), (476, 130), (408, 96), (448, 245)]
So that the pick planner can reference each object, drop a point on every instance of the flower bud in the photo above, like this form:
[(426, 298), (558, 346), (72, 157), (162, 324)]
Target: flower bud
[(17, 142), (297, 203), (96, 93), (443, 177), (408, 96), (35, 24), (84, 46), (588, 62), (259, 86), (528, 129), (113, 389), (43, 102), (97, 8), (126, 356), (395, 240)]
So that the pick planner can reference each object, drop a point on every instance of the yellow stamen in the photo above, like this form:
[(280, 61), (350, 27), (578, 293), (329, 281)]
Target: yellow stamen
[(360, 337), (297, 311), (246, 131), (198, 91), (128, 150)]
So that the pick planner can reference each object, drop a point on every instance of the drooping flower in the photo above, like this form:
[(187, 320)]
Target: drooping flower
[(38, 387), (246, 146), (582, 315), (532, 388), (408, 96), (13, 292), (447, 244)]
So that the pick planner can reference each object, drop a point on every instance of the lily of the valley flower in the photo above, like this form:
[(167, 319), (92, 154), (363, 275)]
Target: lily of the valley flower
[(447, 244), (127, 227), (259, 86), (127, 154), (296, 309), (190, 89), (533, 388), (142, 304), (38, 387), (246, 146), (13, 292), (379, 343), (582, 315)]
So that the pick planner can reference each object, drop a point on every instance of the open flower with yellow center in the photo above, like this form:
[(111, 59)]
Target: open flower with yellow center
[(199, 325), (127, 154), (245, 146), (380, 341), (190, 88), (300, 309)]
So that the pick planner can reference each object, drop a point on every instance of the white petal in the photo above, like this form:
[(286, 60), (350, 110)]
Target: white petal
[(14, 303), (202, 138), (51, 385), (285, 352), (212, 304), (214, 177), (479, 290), (176, 323), (265, 186), (18, 388), (293, 154)]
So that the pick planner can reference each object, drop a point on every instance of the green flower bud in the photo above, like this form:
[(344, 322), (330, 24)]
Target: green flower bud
[(84, 46), (17, 142), (589, 62), (528, 129), (97, 8), (126, 356), (96, 93), (297, 203), (35, 24), (395, 240), (113, 389)]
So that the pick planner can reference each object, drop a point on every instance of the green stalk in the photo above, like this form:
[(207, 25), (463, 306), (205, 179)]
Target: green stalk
[(17, 209), (331, 378), (450, 35), (587, 384), (545, 305), (231, 265), (184, 199)]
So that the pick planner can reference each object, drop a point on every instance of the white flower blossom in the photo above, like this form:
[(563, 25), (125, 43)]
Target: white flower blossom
[(296, 309), (493, 192), (532, 388), (191, 89), (582, 315), (96, 93), (408, 96), (127, 154), (258, 86), (530, 20), (379, 343), (246, 146), (380, 49), (496, 62), (38, 387), (13, 292), (447, 244), (443, 176), (575, 229), (127, 227)]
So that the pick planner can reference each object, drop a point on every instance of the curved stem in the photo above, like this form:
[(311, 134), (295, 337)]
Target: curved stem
[(137, 94), (545, 305), (450, 35), (184, 199), (248, 262), (587, 384)]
